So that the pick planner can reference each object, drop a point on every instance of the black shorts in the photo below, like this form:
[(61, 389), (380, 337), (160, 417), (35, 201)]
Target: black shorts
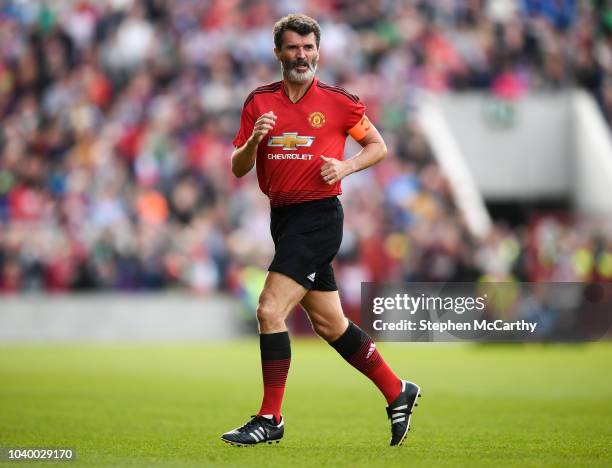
[(307, 237)]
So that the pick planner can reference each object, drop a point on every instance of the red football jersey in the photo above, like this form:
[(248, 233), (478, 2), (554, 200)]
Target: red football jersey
[(288, 158)]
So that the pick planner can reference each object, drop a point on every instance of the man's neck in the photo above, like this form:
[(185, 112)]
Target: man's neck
[(296, 91)]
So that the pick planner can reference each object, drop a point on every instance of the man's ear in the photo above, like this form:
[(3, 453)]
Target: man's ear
[(276, 52)]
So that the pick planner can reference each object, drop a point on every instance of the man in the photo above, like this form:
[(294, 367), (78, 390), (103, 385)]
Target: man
[(296, 131)]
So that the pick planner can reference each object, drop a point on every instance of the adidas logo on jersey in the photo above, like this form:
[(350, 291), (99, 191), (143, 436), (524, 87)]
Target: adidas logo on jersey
[(311, 276)]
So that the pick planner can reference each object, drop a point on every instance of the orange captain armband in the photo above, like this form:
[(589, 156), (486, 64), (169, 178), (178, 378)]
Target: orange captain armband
[(361, 128)]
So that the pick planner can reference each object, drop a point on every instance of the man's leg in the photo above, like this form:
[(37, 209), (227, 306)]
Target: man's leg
[(279, 296), (353, 344)]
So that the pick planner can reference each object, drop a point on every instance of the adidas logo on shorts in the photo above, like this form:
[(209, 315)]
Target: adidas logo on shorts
[(311, 276)]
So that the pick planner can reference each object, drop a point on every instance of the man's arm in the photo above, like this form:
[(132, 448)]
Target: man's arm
[(243, 158), (373, 151)]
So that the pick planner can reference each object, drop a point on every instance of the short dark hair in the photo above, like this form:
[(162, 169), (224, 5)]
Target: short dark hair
[(299, 23)]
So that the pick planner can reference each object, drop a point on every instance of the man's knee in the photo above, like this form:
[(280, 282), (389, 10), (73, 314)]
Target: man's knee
[(269, 314), (330, 331)]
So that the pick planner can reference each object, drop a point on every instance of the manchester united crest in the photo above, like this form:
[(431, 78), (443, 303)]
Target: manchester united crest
[(316, 119)]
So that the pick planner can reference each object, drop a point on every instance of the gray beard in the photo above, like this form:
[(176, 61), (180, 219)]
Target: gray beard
[(296, 77)]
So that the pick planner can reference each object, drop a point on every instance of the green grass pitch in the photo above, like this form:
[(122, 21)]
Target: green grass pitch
[(166, 405)]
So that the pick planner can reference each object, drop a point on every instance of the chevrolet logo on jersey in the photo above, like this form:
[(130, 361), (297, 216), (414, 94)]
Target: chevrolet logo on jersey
[(291, 140)]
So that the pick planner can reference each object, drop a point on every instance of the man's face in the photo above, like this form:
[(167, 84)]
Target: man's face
[(298, 56)]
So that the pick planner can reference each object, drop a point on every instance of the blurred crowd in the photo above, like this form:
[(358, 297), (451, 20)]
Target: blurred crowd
[(117, 118)]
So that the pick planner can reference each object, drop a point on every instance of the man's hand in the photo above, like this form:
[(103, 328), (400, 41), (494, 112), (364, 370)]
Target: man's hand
[(334, 170), (262, 126), (243, 158), (373, 151)]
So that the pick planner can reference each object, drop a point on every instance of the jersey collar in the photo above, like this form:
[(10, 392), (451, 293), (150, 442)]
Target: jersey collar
[(312, 85)]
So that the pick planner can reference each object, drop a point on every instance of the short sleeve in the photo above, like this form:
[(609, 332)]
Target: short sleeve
[(356, 111), (247, 122)]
